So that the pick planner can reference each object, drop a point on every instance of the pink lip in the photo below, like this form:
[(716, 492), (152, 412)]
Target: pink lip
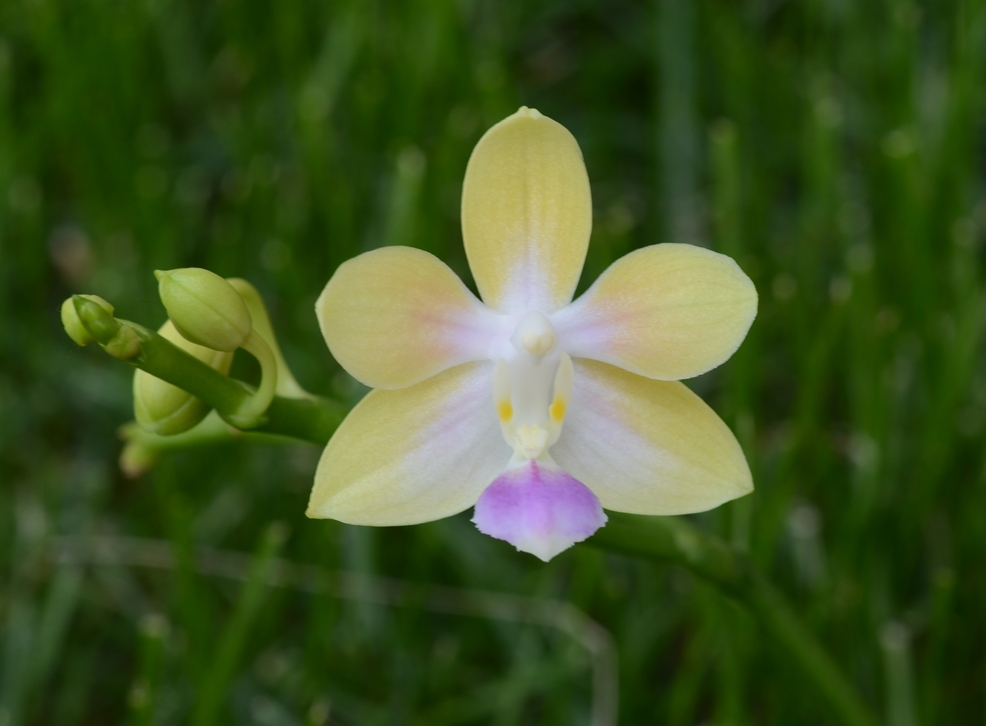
[(539, 509)]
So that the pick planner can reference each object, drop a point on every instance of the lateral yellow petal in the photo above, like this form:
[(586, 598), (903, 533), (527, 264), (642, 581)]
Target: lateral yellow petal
[(526, 214), (413, 455), (668, 311), (397, 315), (648, 447)]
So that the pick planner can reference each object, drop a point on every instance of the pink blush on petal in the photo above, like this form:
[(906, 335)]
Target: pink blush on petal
[(538, 509)]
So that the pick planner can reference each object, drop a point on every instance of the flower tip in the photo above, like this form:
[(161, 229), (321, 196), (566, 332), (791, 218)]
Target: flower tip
[(544, 548), (318, 507), (136, 460), (72, 322), (89, 318), (529, 112)]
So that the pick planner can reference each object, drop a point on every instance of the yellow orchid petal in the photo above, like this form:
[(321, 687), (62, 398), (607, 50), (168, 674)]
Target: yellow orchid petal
[(668, 311), (648, 447), (526, 214), (413, 455), (397, 315)]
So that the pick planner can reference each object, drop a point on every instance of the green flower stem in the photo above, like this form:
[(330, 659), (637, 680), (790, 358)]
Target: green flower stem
[(250, 414), (675, 540), (287, 386), (142, 449), (308, 419)]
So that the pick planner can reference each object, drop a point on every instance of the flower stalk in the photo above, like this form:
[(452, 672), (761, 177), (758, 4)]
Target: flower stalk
[(252, 410), (308, 419)]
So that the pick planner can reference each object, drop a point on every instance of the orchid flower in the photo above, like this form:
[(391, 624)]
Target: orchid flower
[(539, 411)]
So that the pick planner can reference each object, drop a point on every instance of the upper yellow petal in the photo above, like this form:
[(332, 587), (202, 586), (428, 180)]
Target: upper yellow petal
[(397, 315), (648, 447), (668, 311), (526, 213), (421, 453)]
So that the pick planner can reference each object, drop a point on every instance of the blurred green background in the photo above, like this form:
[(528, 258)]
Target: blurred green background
[(834, 148)]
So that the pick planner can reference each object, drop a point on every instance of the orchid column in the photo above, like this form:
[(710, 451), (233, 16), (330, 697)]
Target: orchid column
[(537, 410)]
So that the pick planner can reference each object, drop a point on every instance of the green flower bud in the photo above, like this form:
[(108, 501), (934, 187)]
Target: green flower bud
[(137, 457), (124, 345), (205, 308), (73, 325), (164, 409)]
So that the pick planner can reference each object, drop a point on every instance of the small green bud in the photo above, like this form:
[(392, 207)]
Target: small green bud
[(124, 345), (205, 308), (164, 409), (136, 459), (100, 324), (73, 324)]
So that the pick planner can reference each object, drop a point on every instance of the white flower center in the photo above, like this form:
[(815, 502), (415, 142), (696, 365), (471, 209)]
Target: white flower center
[(532, 386)]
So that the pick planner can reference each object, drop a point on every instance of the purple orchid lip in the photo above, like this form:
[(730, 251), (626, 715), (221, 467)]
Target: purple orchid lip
[(538, 508)]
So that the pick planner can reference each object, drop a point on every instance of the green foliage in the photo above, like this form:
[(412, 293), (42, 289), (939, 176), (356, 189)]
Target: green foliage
[(833, 147)]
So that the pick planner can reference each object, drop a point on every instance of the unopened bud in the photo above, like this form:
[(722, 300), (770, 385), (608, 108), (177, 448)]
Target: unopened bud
[(100, 324), (124, 345), (205, 308), (137, 457), (73, 324), (165, 409)]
